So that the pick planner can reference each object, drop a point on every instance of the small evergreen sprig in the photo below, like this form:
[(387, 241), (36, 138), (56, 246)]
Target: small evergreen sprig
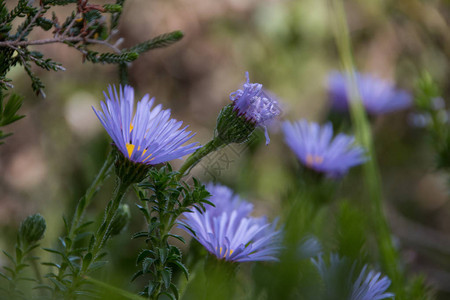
[(30, 232), (8, 113), (164, 198), (84, 27)]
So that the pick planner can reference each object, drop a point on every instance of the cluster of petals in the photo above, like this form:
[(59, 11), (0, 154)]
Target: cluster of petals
[(256, 104), (317, 149), (147, 135), (369, 285), (378, 96), (229, 232)]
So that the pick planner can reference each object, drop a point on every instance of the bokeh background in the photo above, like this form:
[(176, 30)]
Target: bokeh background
[(288, 46)]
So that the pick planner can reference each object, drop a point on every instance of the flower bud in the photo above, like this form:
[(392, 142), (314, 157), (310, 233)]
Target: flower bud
[(121, 219), (232, 127), (252, 107), (32, 229), (129, 171)]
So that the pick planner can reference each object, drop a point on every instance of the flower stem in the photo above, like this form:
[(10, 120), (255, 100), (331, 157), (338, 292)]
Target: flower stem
[(388, 254), (102, 233), (213, 145), (100, 238), (90, 192), (83, 203)]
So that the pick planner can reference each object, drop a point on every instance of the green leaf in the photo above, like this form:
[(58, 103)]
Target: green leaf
[(136, 275), (160, 41), (87, 261), (147, 263), (111, 58), (58, 284), (162, 255), (66, 224), (5, 276), (53, 251), (182, 267), (51, 264), (178, 237), (19, 253), (174, 289), (140, 234), (143, 255), (8, 114), (166, 275), (144, 211), (10, 257), (168, 295), (43, 286)]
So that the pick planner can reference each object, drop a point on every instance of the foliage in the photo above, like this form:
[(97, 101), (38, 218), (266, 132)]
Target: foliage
[(8, 112), (31, 231), (164, 199), (84, 27), (318, 218)]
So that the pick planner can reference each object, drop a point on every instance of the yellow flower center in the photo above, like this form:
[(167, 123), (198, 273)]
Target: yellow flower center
[(130, 149), (229, 252), (312, 160)]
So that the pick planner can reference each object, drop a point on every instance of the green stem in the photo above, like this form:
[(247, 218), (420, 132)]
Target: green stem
[(100, 237), (388, 254), (102, 234), (90, 192), (83, 203), (195, 158)]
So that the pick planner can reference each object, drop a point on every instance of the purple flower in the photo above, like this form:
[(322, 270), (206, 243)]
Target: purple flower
[(148, 136), (378, 96), (229, 232), (316, 149), (338, 277), (370, 286), (255, 104)]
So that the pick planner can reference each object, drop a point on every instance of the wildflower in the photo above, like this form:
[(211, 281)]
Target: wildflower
[(378, 96), (144, 138), (317, 150), (252, 107), (369, 286), (148, 136), (229, 232), (338, 280), (309, 246)]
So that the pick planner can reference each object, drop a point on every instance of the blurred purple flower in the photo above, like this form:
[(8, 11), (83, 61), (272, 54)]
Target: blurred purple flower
[(147, 136), (316, 149), (338, 275), (229, 232), (257, 105), (378, 96), (369, 286)]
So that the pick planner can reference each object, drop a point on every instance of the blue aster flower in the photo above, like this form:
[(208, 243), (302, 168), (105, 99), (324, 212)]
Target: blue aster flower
[(229, 232), (338, 277), (370, 286), (378, 96), (255, 104), (146, 136), (316, 149)]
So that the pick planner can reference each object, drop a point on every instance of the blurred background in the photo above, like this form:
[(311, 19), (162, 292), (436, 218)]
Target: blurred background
[(288, 46)]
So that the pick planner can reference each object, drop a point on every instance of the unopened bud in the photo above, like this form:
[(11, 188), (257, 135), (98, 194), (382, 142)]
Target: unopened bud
[(233, 127), (32, 229), (121, 219)]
